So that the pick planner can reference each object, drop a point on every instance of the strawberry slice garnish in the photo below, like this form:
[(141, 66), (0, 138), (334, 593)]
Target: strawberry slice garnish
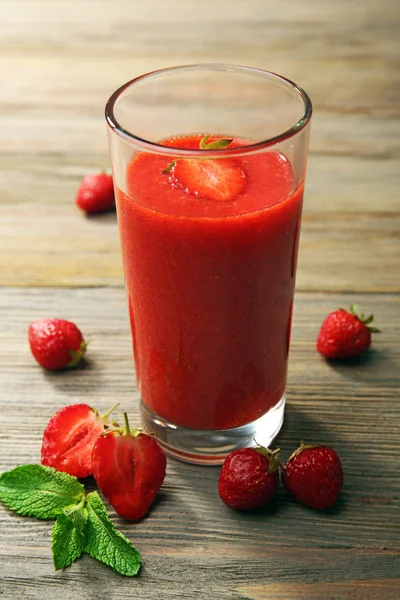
[(129, 468), (69, 438), (217, 179)]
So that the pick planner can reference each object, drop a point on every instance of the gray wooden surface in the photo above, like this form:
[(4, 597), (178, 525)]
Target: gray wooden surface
[(59, 62)]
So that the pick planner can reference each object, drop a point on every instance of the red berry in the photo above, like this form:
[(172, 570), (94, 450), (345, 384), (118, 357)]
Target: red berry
[(56, 344), (345, 334), (218, 179), (129, 468), (249, 478), (69, 438), (314, 476), (96, 193)]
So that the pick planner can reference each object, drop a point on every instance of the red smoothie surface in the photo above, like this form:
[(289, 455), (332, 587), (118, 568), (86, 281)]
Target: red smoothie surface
[(210, 287)]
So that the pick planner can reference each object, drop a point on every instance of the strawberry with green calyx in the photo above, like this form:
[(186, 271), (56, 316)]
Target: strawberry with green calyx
[(129, 467), (314, 476), (56, 343), (221, 180), (345, 334), (69, 438), (249, 478)]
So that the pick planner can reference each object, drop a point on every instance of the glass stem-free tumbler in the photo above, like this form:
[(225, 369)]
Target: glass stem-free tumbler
[(209, 164)]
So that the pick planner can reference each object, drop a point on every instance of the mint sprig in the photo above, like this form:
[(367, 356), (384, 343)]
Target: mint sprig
[(38, 491), (82, 523), (106, 543)]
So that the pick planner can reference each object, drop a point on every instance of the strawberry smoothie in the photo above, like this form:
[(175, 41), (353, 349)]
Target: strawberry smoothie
[(210, 282)]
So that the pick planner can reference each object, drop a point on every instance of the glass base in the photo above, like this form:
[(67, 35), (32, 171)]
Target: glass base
[(211, 447)]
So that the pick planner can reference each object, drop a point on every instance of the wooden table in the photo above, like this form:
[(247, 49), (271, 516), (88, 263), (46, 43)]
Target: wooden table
[(59, 62)]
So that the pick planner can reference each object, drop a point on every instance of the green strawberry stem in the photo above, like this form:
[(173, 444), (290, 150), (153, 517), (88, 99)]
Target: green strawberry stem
[(77, 355), (300, 449), (362, 318), (216, 145), (108, 413), (126, 423), (273, 457), (127, 430), (169, 168)]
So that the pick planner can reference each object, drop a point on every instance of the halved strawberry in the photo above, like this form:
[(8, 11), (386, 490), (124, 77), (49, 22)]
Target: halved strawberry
[(217, 179), (129, 468), (69, 438)]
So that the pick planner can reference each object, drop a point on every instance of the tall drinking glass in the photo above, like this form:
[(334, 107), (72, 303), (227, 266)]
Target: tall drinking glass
[(209, 164)]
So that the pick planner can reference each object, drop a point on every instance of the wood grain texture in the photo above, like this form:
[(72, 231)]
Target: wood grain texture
[(192, 545), (344, 213), (60, 65), (354, 590), (59, 62)]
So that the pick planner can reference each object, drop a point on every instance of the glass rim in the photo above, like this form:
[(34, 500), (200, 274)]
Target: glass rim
[(117, 128)]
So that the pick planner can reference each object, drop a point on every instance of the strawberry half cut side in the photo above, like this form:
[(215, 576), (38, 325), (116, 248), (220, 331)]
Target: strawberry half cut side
[(69, 438), (218, 179), (129, 467)]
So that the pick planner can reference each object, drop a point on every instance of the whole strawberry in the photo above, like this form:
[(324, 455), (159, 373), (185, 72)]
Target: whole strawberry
[(345, 334), (129, 468), (314, 476), (249, 478), (56, 343), (69, 438), (96, 193)]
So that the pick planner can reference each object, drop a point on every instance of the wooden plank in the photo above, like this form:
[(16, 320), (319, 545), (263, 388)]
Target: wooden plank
[(17, 12), (193, 546), (356, 590), (349, 135), (45, 240), (346, 58), (59, 62), (203, 571)]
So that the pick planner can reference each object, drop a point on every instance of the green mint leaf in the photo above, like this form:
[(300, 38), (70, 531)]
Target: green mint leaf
[(216, 145), (169, 168), (107, 544), (67, 542), (38, 491), (77, 514)]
